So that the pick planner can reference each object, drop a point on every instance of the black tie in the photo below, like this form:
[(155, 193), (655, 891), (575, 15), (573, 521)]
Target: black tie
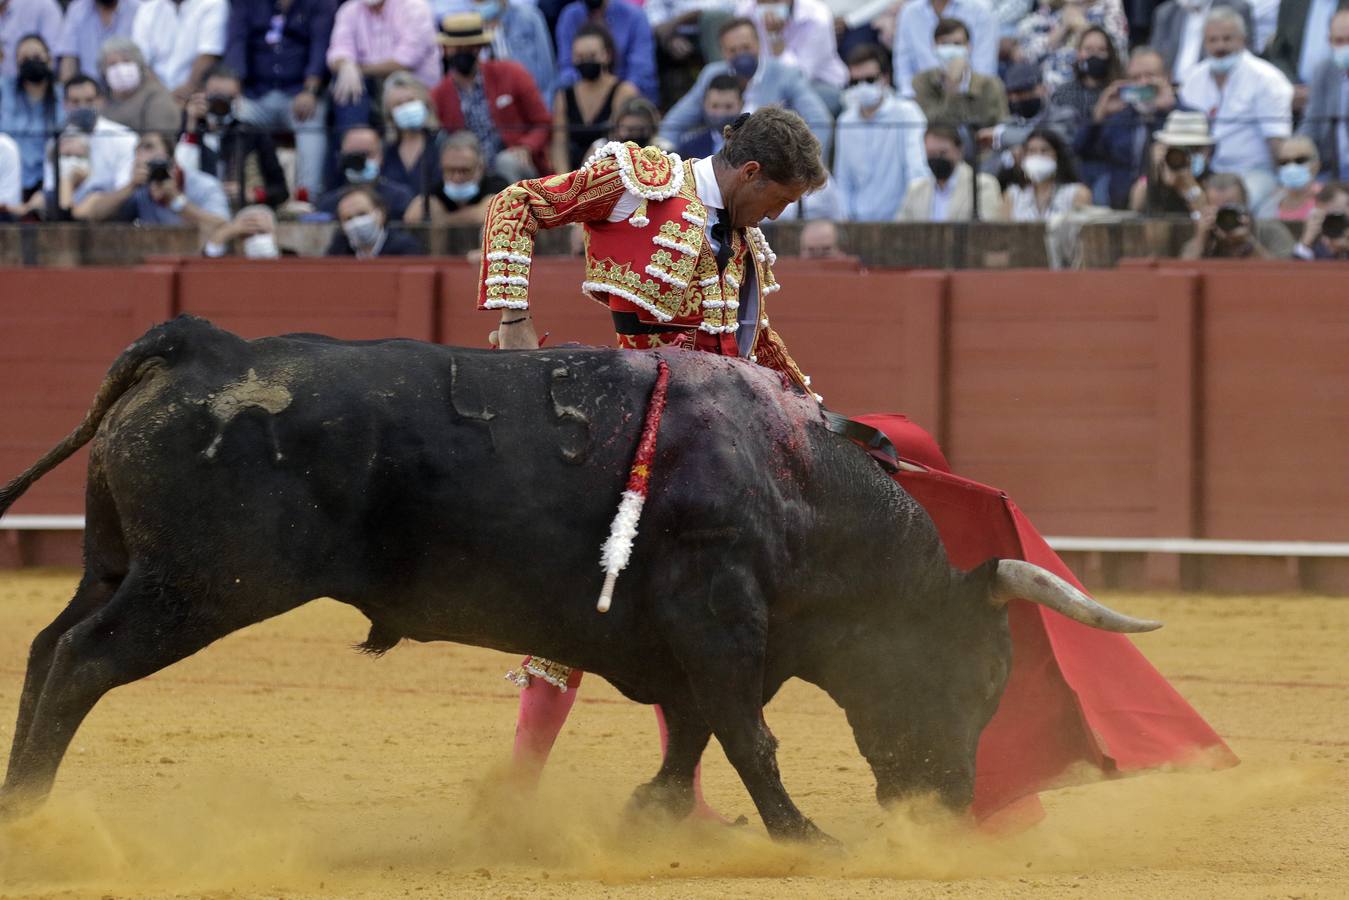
[(721, 234)]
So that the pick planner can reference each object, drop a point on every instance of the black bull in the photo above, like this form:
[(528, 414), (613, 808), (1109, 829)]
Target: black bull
[(463, 495)]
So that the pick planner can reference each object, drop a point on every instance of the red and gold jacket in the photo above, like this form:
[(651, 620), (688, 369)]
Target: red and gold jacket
[(657, 263)]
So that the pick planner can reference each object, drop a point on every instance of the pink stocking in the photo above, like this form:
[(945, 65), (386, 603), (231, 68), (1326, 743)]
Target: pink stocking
[(543, 711)]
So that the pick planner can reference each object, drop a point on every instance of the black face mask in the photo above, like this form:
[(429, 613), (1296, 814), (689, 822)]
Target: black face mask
[(108, 3), (590, 71), (462, 61), (34, 70), (1095, 67), (593, 5), (1026, 109), (83, 118), (641, 138), (941, 167)]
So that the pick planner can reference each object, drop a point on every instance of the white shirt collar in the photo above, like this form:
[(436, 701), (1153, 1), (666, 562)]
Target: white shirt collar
[(705, 183)]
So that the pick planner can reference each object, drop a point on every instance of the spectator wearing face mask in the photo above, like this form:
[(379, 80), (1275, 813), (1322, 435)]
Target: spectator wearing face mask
[(1295, 197), (1178, 31), (136, 99), (1050, 35), (722, 104), (946, 194), (250, 234), (1325, 233), (879, 147), (1300, 42), (359, 165), (686, 38), (215, 141), (18, 20), (1051, 184), (1225, 229), (800, 33), (766, 81), (160, 193), (635, 56), (583, 111), (463, 188), (519, 32), (952, 92), (1096, 68), (1027, 103), (372, 39), (110, 147), (410, 158), (1178, 165), (495, 99), (87, 26), (1248, 100), (915, 50), (1327, 118), (31, 113), (279, 50), (181, 40), (365, 232)]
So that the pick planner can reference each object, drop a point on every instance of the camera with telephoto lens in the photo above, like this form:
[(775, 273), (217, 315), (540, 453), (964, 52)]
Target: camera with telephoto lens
[(1334, 225), (159, 170), (1230, 217), (1177, 160)]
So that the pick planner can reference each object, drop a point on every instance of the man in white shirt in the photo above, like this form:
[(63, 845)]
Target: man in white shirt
[(181, 40), (913, 49), (1248, 100), (878, 146), (1178, 31), (112, 147)]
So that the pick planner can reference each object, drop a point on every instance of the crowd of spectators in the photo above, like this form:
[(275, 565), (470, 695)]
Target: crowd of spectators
[(369, 113)]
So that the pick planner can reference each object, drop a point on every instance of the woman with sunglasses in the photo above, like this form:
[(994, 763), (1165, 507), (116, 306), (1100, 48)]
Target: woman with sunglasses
[(1298, 165)]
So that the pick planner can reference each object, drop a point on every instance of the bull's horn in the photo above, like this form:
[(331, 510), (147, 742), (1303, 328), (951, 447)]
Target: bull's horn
[(1017, 579)]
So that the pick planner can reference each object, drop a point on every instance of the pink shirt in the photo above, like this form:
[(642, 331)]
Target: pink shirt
[(401, 30)]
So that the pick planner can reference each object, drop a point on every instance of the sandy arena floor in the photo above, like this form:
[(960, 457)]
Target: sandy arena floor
[(279, 763)]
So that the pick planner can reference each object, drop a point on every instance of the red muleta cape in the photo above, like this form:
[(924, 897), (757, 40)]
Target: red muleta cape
[(1075, 694)]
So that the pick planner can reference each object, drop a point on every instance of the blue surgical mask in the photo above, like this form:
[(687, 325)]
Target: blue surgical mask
[(84, 119), (744, 64), (364, 175), (460, 192), (410, 116), (1295, 175), (490, 10), (780, 10), (1221, 65), (1341, 56), (1198, 165), (949, 53)]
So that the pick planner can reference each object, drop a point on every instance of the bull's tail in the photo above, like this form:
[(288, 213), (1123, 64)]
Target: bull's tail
[(126, 371)]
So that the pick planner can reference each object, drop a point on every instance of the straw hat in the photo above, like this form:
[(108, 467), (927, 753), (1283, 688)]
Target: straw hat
[(463, 30), (1184, 128)]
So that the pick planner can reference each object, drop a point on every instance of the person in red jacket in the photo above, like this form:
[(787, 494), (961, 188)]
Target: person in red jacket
[(496, 99)]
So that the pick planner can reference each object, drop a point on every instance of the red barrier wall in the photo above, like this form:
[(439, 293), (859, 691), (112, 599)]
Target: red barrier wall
[(1157, 400)]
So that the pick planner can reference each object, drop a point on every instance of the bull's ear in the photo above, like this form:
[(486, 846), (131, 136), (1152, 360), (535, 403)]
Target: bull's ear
[(979, 580)]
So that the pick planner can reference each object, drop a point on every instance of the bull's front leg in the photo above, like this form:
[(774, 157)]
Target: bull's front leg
[(673, 790), (717, 627)]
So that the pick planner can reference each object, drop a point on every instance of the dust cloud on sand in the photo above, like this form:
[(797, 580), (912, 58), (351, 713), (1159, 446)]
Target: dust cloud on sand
[(279, 763)]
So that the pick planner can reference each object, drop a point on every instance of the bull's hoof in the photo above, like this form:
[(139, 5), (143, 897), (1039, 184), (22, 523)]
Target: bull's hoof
[(656, 800), (15, 805), (806, 832)]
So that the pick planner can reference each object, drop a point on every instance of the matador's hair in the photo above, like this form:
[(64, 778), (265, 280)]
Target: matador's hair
[(780, 142)]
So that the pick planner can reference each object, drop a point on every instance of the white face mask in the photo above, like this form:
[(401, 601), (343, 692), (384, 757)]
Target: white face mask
[(864, 95), (261, 246), (74, 165), (363, 230), (1039, 167), (123, 77), (781, 10)]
